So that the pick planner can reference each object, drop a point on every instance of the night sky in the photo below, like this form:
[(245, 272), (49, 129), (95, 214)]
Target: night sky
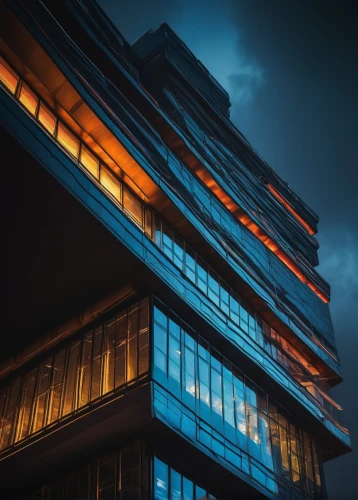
[(291, 69)]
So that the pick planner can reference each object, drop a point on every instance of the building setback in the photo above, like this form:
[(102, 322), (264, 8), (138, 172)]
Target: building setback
[(166, 333)]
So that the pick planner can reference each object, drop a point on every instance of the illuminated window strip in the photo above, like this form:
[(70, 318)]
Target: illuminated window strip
[(287, 205), (184, 153), (89, 367), (120, 194)]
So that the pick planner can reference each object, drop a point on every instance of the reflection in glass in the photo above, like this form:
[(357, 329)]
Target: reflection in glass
[(240, 410), (168, 483)]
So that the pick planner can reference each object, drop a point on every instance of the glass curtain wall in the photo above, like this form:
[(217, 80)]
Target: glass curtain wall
[(170, 485), (222, 396), (115, 476), (90, 366), (175, 248)]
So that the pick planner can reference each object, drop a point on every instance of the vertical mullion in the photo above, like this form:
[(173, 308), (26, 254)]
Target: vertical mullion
[(150, 336), (48, 393), (64, 384), (16, 412), (37, 108), (18, 88), (56, 128), (91, 371), (79, 376), (127, 345), (79, 151)]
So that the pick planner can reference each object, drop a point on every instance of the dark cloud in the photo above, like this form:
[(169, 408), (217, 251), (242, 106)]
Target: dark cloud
[(291, 68), (248, 77)]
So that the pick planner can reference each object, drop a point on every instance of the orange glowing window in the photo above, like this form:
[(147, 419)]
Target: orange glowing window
[(47, 119), (7, 76), (287, 205), (28, 99), (90, 162), (111, 184), (68, 140), (132, 205)]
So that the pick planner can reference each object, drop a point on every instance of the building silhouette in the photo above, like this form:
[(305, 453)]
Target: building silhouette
[(166, 333)]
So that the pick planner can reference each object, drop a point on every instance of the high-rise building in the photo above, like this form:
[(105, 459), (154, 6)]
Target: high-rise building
[(166, 333)]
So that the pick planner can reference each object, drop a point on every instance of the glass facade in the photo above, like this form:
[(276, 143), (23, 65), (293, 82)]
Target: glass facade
[(114, 476), (170, 485), (122, 475), (179, 252), (233, 407), (89, 366)]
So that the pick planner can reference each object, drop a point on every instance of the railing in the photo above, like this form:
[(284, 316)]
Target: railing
[(173, 246)]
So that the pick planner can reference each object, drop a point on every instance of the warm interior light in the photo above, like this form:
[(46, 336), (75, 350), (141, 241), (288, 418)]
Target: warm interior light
[(133, 205), (47, 119), (192, 162), (28, 99), (285, 203), (111, 184), (90, 162), (68, 140), (7, 76)]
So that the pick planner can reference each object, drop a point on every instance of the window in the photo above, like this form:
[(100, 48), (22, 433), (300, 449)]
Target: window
[(175, 484), (72, 375), (216, 390), (130, 477), (204, 375), (202, 276), (68, 140), (190, 264), (8, 76), (28, 99), (228, 388), (143, 337), (133, 342), (40, 403), (106, 477), (26, 404), (116, 475), (133, 205), (121, 350), (111, 183), (174, 351), (90, 162), (160, 480), (189, 365), (109, 344), (214, 288), (167, 241), (96, 364), (57, 386), (160, 340), (47, 119), (86, 369), (9, 412)]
